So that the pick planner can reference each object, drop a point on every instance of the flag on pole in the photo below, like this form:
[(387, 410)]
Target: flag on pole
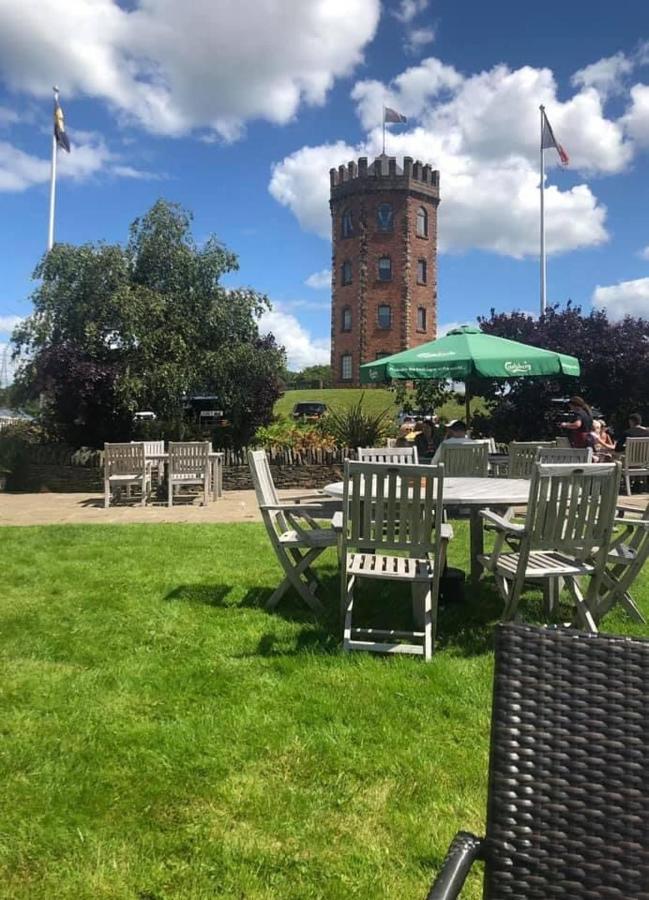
[(548, 140), (391, 115), (62, 140)]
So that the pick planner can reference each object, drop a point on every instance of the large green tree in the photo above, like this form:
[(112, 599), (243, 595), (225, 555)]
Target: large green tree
[(117, 329)]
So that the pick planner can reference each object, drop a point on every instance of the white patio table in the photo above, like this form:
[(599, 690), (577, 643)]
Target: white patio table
[(472, 494), (216, 469)]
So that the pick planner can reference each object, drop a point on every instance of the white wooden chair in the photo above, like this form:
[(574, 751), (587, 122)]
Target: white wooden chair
[(188, 465), (154, 448), (522, 457), (625, 558), (635, 462), (386, 509), (470, 460), (397, 456), (548, 456), (562, 442), (296, 537), (125, 467), (566, 534)]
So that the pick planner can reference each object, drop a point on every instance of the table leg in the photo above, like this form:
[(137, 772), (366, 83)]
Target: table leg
[(476, 543)]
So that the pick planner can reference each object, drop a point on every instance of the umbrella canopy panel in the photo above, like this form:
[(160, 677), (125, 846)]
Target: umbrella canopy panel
[(467, 352)]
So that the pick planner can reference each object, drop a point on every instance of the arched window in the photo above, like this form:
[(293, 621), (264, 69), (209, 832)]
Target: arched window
[(384, 217), (347, 227), (421, 318), (346, 367), (422, 271), (385, 268), (384, 316), (346, 319), (346, 272), (422, 222)]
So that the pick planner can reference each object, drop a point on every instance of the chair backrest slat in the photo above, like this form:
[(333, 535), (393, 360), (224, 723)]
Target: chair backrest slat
[(398, 456), (549, 455), (522, 456), (266, 493), (571, 507), (636, 452), (188, 458), (567, 811), (152, 448), (124, 459), (388, 507), (470, 460)]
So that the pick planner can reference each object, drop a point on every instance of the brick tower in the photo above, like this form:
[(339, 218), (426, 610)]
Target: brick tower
[(384, 261)]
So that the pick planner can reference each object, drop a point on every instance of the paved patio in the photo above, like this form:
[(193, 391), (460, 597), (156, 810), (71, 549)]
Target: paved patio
[(82, 509)]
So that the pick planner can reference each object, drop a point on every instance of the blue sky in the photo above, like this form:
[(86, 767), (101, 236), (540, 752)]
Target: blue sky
[(237, 111)]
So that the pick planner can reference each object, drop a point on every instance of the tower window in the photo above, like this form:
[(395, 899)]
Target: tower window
[(421, 318), (380, 354), (346, 367), (384, 316), (422, 222), (346, 319), (422, 271), (385, 268), (384, 217), (347, 227), (346, 272)]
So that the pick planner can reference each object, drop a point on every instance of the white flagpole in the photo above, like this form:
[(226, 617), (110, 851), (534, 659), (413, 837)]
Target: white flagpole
[(384, 131), (542, 193), (50, 231)]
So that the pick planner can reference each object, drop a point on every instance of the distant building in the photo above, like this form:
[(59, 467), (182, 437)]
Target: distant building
[(384, 261)]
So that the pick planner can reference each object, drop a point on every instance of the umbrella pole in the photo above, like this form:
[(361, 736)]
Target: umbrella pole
[(467, 404)]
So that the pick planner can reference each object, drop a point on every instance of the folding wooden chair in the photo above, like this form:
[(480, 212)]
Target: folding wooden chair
[(125, 467), (566, 535), (296, 537), (470, 460), (625, 558), (386, 509), (522, 456), (635, 460), (189, 465), (398, 456), (548, 456)]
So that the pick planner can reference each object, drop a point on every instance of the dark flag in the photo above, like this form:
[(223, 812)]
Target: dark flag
[(548, 140), (62, 140), (391, 115)]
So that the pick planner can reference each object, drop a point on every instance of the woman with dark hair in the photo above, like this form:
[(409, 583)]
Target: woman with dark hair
[(582, 425)]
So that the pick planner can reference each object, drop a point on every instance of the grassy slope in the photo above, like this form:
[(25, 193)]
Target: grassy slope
[(165, 737), (375, 399)]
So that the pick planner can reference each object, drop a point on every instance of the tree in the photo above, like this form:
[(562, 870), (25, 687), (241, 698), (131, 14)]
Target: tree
[(614, 359), (116, 329)]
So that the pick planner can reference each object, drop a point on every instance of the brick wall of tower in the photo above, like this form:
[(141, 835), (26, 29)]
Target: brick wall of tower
[(361, 190)]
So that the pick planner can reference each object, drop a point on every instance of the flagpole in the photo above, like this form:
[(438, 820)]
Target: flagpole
[(542, 194), (50, 231), (383, 131)]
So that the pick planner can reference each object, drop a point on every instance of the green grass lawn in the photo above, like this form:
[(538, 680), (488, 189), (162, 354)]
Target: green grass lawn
[(163, 736), (374, 401)]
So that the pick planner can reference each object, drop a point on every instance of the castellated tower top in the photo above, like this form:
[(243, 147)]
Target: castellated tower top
[(384, 174)]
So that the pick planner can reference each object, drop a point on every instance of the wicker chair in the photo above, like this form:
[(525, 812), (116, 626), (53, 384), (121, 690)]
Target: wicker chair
[(567, 811)]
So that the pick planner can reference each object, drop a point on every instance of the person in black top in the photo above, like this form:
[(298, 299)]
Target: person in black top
[(579, 430)]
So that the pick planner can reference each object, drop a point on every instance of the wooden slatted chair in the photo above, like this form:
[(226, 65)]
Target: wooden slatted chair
[(125, 467), (551, 455), (625, 558), (295, 535), (154, 448), (470, 460), (567, 811), (522, 456), (389, 511), (189, 465), (397, 456), (635, 460), (566, 534)]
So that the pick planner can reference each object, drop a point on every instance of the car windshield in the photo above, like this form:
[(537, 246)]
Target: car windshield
[(309, 407)]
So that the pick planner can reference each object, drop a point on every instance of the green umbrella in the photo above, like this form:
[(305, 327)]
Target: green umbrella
[(467, 352)]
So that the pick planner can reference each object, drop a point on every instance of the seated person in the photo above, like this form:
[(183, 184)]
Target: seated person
[(635, 429), (423, 437), (455, 434), (405, 436), (603, 443)]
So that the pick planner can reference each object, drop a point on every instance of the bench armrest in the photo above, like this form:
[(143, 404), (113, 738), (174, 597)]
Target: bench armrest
[(501, 523), (464, 850)]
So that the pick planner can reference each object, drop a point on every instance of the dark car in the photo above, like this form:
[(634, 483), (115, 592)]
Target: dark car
[(309, 411)]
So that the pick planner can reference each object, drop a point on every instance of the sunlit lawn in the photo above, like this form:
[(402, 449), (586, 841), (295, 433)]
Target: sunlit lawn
[(163, 736)]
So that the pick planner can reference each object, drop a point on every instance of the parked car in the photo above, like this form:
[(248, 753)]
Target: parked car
[(409, 418), (309, 411)]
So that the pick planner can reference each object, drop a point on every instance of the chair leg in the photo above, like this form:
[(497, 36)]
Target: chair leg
[(294, 576), (106, 493), (430, 622), (349, 605), (170, 497), (583, 613), (627, 479)]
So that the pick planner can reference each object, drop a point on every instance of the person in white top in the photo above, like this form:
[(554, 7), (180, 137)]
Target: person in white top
[(455, 434)]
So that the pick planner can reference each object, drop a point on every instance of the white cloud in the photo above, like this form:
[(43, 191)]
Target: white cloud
[(482, 133), (173, 67), (627, 298), (408, 9), (8, 116), (636, 119), (8, 323), (606, 75), (644, 253), (319, 280), (302, 349), (418, 38), (138, 174)]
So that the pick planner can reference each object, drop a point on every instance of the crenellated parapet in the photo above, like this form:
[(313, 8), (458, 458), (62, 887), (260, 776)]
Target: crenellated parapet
[(384, 174)]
